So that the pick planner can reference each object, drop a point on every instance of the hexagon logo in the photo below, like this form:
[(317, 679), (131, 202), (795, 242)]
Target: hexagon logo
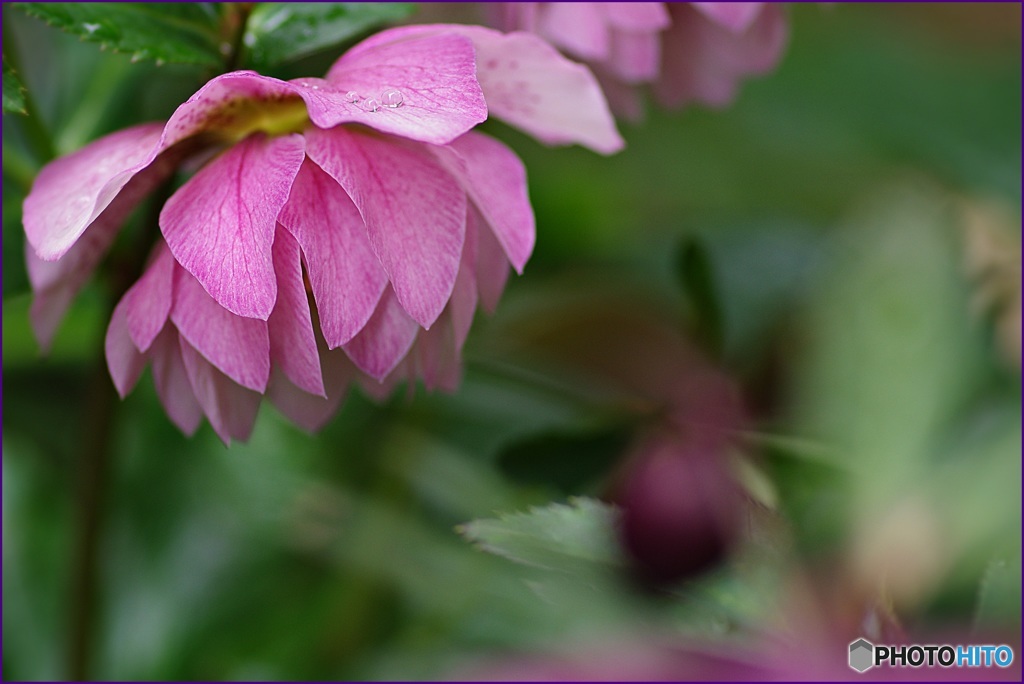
[(862, 655)]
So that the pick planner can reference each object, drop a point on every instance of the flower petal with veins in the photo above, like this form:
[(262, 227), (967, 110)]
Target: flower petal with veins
[(239, 347), (345, 275), (292, 344), (220, 224), (415, 213)]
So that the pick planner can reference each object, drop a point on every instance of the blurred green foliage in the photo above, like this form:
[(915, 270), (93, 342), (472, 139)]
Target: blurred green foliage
[(809, 236)]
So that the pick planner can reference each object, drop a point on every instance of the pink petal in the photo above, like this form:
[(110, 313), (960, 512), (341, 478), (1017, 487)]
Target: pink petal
[(527, 83), (172, 384), (230, 103), (491, 263), (735, 16), (704, 61), (464, 299), (636, 57), (579, 28), (292, 344), (123, 360), (240, 347), (380, 390), (385, 340), (495, 179), (346, 277), (47, 311), (512, 16), (71, 192), (308, 411), (413, 209), (220, 224), (231, 409), (434, 74), (638, 17), (148, 302), (55, 283), (437, 359)]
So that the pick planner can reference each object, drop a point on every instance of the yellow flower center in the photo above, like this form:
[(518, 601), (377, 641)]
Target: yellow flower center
[(240, 118)]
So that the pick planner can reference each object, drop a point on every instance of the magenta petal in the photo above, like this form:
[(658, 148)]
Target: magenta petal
[(220, 224), (579, 28), (381, 389), (216, 106), (172, 383), (531, 86), (636, 57), (148, 302), (705, 61), (462, 306), (231, 409), (527, 83), (55, 283), (292, 344), (437, 358), (495, 179), (735, 16), (346, 277), (415, 213), (240, 347), (491, 263), (71, 192), (637, 17), (435, 76), (123, 360), (385, 340), (306, 410)]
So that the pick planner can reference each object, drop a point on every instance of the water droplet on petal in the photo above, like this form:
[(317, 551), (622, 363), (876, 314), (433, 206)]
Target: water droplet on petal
[(371, 105), (352, 96), (392, 98)]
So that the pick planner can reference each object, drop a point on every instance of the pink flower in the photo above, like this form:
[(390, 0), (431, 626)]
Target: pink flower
[(687, 52), (366, 189)]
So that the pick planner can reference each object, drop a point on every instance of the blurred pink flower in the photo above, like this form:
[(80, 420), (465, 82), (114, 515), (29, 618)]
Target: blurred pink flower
[(687, 52), (397, 226)]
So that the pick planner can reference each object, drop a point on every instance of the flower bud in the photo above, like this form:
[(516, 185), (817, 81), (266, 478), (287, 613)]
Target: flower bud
[(681, 510)]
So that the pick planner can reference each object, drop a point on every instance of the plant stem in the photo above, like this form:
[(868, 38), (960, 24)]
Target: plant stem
[(93, 469), (236, 16)]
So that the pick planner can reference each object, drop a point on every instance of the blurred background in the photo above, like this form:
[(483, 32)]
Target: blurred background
[(828, 272)]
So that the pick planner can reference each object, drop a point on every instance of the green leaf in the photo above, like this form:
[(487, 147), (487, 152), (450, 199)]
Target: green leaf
[(999, 595), (697, 277), (14, 99), (281, 31), (576, 539), (185, 33), (893, 351)]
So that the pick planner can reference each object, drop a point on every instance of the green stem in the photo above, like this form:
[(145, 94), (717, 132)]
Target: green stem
[(94, 466), (93, 469), (236, 16)]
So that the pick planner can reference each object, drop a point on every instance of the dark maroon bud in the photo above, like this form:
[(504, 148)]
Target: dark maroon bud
[(681, 510)]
